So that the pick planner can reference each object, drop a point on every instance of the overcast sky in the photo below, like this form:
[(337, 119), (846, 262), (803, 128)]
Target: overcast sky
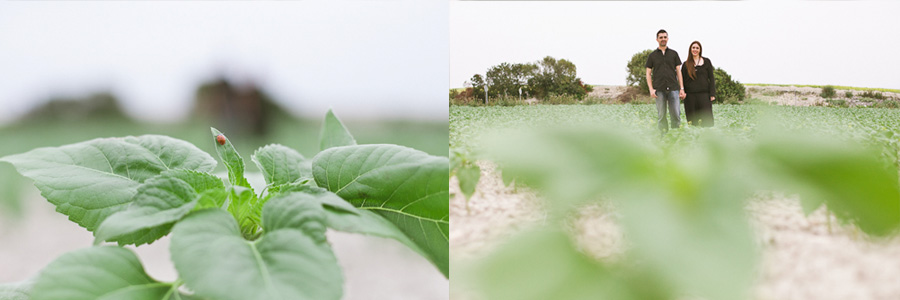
[(367, 59), (786, 42)]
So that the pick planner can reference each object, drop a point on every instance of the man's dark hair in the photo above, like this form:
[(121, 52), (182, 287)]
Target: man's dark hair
[(661, 31)]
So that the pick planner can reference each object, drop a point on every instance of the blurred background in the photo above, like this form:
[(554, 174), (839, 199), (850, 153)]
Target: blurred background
[(261, 72)]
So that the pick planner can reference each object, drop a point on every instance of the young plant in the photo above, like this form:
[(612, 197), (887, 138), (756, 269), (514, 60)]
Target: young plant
[(466, 171), (229, 242)]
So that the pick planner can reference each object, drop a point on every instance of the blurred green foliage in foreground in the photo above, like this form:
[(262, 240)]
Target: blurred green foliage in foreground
[(679, 198)]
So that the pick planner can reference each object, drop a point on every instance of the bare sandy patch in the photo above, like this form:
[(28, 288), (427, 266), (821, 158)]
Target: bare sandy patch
[(607, 91), (495, 211), (803, 259), (787, 95)]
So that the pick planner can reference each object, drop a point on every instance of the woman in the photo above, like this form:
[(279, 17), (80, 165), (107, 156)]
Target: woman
[(700, 86)]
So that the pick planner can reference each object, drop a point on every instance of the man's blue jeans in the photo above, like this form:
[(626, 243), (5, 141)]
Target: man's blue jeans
[(667, 100)]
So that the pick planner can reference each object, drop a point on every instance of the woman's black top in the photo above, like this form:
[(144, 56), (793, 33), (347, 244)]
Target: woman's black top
[(704, 80)]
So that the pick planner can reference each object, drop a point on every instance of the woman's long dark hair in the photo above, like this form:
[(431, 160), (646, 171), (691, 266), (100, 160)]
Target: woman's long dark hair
[(690, 61)]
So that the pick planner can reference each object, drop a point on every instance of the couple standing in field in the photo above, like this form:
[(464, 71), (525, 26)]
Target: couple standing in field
[(669, 79)]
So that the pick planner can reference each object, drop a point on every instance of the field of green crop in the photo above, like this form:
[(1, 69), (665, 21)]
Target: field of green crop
[(680, 198), (466, 123)]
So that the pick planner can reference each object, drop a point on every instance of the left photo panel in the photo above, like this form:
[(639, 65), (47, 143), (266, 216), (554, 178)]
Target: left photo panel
[(224, 150)]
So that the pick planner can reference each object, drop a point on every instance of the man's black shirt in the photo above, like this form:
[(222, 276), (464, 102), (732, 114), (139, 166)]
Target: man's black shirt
[(663, 69)]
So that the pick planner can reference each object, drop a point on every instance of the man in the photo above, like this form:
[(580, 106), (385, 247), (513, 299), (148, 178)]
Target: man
[(665, 82)]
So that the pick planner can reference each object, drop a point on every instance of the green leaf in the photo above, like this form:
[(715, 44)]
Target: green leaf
[(16, 290), (848, 177), (337, 214), (811, 203), (318, 195), (369, 223), (468, 178), (698, 248), (692, 230), (246, 209), (232, 159), (292, 211), (545, 265), (211, 199), (280, 164), (91, 180), (215, 262), (456, 159), (570, 168), (159, 202), (406, 186), (11, 187), (105, 272), (199, 181), (507, 178), (334, 134), (682, 210)]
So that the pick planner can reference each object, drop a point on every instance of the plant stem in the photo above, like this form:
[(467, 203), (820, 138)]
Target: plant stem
[(174, 290)]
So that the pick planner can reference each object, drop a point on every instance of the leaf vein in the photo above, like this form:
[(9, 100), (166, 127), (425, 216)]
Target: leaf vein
[(405, 214), (264, 272)]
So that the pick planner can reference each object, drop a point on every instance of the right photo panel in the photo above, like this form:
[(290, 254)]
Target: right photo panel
[(674, 150)]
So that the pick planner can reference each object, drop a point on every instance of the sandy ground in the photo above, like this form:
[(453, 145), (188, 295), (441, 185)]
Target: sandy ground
[(608, 91), (374, 268), (801, 259), (804, 96), (472, 234), (782, 95)]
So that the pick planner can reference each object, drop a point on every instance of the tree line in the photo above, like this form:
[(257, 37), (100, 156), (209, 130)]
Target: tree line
[(557, 77), (540, 79)]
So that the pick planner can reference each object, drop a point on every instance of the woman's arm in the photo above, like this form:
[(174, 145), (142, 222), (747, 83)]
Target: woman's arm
[(712, 79)]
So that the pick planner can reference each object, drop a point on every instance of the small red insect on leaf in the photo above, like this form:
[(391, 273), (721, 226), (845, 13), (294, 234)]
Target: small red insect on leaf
[(221, 139)]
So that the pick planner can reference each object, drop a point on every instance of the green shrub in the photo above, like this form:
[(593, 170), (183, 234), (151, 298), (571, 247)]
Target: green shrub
[(848, 94), (727, 90), (828, 92), (886, 104), (453, 94), (837, 103), (553, 76), (873, 95), (477, 82), (637, 71), (587, 88)]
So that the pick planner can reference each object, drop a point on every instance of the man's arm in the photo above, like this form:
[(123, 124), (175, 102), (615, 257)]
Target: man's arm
[(681, 92), (650, 84)]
